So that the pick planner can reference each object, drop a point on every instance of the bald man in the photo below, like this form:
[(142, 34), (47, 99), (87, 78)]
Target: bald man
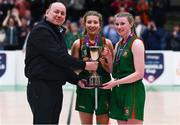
[(48, 66)]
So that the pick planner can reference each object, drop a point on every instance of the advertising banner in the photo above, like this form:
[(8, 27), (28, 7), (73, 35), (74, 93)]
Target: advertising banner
[(158, 68), (161, 68), (7, 67)]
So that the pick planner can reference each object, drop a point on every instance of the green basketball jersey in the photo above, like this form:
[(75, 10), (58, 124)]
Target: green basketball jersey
[(123, 64), (84, 52)]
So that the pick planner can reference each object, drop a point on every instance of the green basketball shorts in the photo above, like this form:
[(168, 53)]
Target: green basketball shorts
[(85, 101), (127, 101)]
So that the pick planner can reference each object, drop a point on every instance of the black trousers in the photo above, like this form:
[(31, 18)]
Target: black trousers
[(45, 100)]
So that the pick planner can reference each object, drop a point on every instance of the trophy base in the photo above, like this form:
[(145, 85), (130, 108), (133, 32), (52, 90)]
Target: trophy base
[(93, 85), (94, 81)]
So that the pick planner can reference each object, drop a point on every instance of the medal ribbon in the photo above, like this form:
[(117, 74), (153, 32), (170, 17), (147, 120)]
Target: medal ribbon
[(120, 49), (97, 39)]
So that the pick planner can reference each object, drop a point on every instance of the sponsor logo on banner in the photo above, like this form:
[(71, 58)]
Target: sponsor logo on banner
[(2, 63), (154, 66)]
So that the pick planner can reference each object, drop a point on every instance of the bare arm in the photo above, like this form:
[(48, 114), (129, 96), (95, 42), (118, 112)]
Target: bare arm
[(107, 59), (16, 17), (115, 49), (6, 19), (18, 20), (75, 52), (75, 49)]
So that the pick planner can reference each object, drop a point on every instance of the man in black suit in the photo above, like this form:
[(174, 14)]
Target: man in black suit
[(48, 66)]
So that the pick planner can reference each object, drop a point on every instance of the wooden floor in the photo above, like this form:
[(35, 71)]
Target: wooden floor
[(162, 107)]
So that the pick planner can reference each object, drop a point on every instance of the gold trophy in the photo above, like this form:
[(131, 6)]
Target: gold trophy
[(94, 79)]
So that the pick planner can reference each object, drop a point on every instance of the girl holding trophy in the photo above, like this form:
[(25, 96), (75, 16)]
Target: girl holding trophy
[(92, 46), (128, 93)]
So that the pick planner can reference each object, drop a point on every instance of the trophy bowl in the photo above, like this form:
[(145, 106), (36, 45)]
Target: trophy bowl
[(95, 52)]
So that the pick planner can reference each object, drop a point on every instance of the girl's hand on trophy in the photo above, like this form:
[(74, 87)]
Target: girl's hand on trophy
[(105, 51), (108, 85), (82, 83), (102, 60)]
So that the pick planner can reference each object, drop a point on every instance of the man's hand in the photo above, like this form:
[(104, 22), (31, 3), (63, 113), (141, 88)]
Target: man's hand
[(92, 66)]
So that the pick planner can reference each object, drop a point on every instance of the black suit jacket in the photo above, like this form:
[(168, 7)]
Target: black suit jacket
[(47, 57)]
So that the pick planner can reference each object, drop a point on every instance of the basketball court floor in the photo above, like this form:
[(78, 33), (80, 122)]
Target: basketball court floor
[(162, 106)]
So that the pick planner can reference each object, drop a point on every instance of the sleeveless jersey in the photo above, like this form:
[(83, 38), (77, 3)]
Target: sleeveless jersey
[(125, 65), (84, 51)]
